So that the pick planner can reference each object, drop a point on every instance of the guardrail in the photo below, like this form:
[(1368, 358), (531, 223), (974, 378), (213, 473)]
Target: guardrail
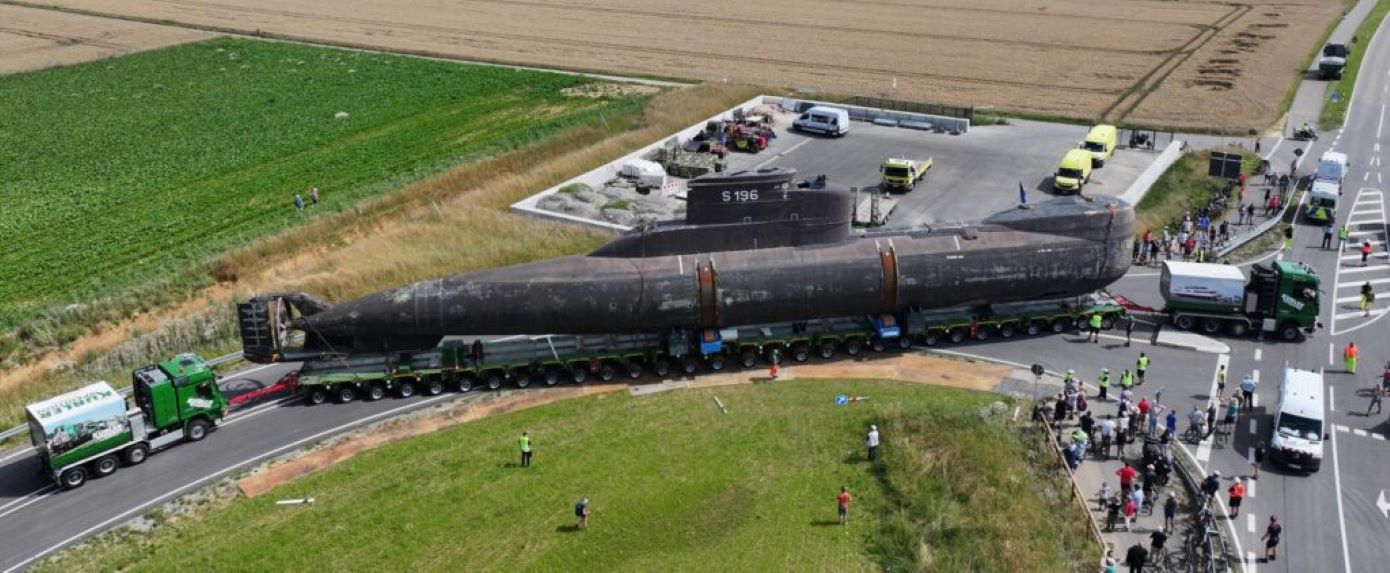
[(1221, 560), (1240, 240), (1040, 415), (24, 428)]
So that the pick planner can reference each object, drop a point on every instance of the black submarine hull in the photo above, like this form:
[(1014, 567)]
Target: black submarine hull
[(1063, 247)]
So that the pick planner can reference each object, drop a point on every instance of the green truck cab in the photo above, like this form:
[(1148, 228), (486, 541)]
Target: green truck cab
[(90, 432), (903, 174), (1281, 298)]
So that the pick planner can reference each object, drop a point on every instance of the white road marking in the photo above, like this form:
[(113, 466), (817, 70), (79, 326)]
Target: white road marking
[(1382, 121), (782, 154), (39, 491), (173, 491), (1377, 436), (1250, 488), (1250, 561), (1331, 400), (1347, 264), (32, 498), (1357, 284), (1341, 515), (1258, 353), (1252, 425), (20, 452), (258, 410), (1250, 522), (1365, 176), (1341, 428), (1359, 432), (1204, 447), (1375, 313), (1364, 233), (1329, 353)]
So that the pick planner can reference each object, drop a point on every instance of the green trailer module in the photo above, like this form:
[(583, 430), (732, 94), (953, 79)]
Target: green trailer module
[(90, 432), (1281, 298)]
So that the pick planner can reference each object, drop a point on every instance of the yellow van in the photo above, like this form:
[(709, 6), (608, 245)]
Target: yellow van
[(1073, 172), (1101, 143)]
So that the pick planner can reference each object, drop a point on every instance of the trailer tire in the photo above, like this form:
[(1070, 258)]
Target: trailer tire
[(106, 465), (661, 367), (1107, 322), (1239, 328), (434, 387), (1289, 332), (982, 333), (521, 379), (579, 375), (878, 344), (196, 430), (688, 365), (715, 362), (905, 342), (748, 358), (634, 370), (827, 349), (406, 389), (800, 353), (494, 381), (854, 346), (1060, 325), (607, 372), (931, 339), (1184, 322), (1007, 331), (345, 393), (136, 454), (1211, 326), (957, 335), (73, 478), (375, 392), (317, 395), (551, 377), (466, 383), (1033, 329)]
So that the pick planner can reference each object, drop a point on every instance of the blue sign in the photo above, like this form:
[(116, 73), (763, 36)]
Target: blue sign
[(1336, 97), (842, 399)]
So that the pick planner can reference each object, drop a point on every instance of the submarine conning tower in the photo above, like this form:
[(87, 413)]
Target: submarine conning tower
[(745, 210)]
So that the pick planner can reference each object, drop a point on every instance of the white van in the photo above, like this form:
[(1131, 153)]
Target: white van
[(1332, 166), (1298, 423), (831, 121)]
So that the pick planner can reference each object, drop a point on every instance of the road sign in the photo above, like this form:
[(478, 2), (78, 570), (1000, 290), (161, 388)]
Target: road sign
[(1336, 97), (1225, 165), (1037, 370)]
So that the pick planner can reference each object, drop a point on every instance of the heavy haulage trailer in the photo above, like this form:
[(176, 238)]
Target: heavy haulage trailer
[(462, 364)]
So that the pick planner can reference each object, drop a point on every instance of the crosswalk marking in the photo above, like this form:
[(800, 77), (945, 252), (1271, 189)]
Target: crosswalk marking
[(1358, 314), (1367, 217), (1359, 432)]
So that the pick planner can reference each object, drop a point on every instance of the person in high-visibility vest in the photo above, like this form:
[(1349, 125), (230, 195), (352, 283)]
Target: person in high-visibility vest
[(1126, 379), (1342, 235), (1141, 366), (1368, 298), (1095, 328), (525, 443), (1349, 356), (1103, 380)]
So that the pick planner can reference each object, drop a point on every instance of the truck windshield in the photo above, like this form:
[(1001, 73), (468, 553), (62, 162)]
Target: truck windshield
[(1095, 146), (895, 171), (1069, 173), (1296, 426)]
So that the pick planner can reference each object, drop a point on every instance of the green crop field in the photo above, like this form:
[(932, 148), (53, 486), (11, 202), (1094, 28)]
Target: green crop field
[(131, 172), (674, 485)]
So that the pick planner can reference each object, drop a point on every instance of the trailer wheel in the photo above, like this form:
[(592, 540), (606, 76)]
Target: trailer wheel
[(317, 395), (827, 349), (931, 339), (1184, 322), (521, 379), (715, 362), (552, 376), (196, 430), (904, 342), (73, 478), (1107, 322), (1211, 326), (661, 367), (607, 372), (1033, 329), (634, 370), (434, 387), (466, 383), (1060, 325), (494, 381), (854, 346), (800, 353), (106, 465), (877, 344), (748, 358), (1289, 332), (1239, 328), (345, 393), (1007, 331), (406, 389), (579, 374), (982, 333), (688, 365), (376, 392), (957, 335), (136, 454)]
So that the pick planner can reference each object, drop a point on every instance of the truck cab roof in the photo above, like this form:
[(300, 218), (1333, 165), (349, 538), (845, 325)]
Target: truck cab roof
[(1296, 270), (189, 366)]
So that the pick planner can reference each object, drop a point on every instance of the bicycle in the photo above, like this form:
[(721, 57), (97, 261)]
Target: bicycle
[(1222, 434)]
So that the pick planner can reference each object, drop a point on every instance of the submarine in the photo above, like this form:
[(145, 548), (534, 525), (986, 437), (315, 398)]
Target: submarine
[(754, 247)]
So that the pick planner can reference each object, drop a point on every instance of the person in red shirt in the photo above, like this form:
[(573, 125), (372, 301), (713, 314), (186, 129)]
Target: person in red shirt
[(1237, 492), (1126, 474), (1365, 252), (842, 501)]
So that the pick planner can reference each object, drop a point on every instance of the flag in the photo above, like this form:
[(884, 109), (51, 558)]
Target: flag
[(1022, 195)]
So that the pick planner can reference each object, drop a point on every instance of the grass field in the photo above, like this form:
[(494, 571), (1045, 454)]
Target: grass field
[(674, 485), (134, 171)]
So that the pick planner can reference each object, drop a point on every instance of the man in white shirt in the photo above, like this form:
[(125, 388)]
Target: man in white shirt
[(872, 442)]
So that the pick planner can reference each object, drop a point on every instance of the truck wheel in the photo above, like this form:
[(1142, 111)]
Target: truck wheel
[(607, 372), (1059, 325), (1211, 326), (317, 395), (552, 376), (931, 339), (106, 465), (688, 365), (715, 363), (434, 387), (854, 346), (904, 342), (466, 383), (1107, 322), (579, 375), (376, 392), (1033, 329), (521, 379), (136, 454), (827, 349), (1239, 328), (878, 344), (634, 370), (346, 393), (661, 367), (494, 381), (196, 430), (1289, 332), (982, 333), (73, 478), (1184, 322), (800, 353), (749, 358), (406, 389), (1007, 331), (957, 335)]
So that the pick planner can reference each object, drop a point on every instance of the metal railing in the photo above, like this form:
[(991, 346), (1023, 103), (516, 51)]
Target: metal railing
[(965, 112), (1219, 550), (1252, 233), (24, 428), (1040, 415)]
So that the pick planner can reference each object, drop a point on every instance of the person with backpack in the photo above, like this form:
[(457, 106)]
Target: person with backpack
[(1368, 298), (842, 504), (581, 511)]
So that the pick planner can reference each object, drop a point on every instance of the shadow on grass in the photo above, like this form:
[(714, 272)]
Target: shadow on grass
[(824, 522), (569, 528)]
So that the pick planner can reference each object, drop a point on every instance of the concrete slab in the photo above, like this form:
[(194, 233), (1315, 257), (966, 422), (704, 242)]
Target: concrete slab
[(1190, 341)]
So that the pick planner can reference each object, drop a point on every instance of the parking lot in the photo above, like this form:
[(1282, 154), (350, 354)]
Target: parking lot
[(973, 175)]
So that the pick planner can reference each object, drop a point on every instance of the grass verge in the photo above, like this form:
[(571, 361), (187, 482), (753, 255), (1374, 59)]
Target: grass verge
[(1334, 113), (1183, 188), (673, 485)]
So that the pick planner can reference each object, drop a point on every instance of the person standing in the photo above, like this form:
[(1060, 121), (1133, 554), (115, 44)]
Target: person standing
[(1131, 512), (1103, 495), (1365, 252), (1237, 492), (298, 202), (1288, 231), (842, 504), (1349, 357), (1170, 511), (1136, 557), (1247, 392), (1126, 474), (1170, 423), (314, 196), (1103, 381), (1126, 380), (1271, 538), (1141, 366), (872, 442), (525, 443), (1342, 235), (1157, 540), (1368, 298), (1221, 381), (1257, 458), (1375, 401), (1095, 323), (1129, 328), (1327, 235), (581, 511)]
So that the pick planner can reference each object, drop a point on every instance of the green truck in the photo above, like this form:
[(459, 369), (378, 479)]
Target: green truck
[(1281, 298), (90, 432)]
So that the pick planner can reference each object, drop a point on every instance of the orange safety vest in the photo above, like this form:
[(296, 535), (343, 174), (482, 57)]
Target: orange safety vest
[(1350, 352)]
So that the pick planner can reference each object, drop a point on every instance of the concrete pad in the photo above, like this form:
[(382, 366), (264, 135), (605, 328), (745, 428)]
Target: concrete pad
[(647, 389), (1190, 341)]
